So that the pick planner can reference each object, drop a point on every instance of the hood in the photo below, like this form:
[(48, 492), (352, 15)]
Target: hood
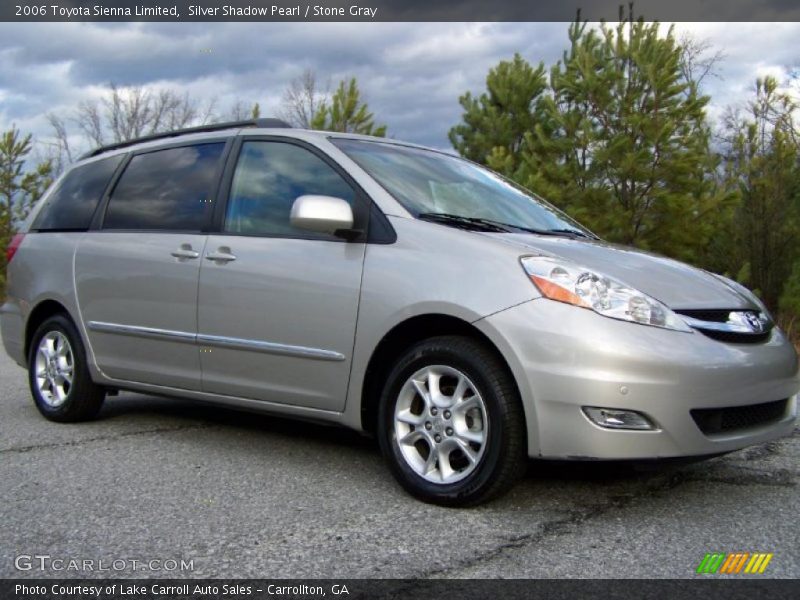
[(674, 283)]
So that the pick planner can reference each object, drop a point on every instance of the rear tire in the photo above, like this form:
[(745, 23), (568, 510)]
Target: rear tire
[(58, 376), (451, 424)]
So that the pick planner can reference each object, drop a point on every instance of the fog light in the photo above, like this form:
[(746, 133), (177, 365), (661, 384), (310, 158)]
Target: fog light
[(614, 418)]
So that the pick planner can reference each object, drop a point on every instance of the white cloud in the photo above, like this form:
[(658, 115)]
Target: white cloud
[(411, 73)]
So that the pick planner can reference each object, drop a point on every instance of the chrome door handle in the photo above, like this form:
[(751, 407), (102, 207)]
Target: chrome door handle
[(185, 251), (221, 255)]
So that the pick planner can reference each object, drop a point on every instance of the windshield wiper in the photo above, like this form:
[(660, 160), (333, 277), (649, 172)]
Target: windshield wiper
[(473, 223), (492, 225), (575, 232)]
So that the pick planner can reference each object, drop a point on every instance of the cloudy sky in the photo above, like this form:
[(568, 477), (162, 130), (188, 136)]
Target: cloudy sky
[(411, 73)]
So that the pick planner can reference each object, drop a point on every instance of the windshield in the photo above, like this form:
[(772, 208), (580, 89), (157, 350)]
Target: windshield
[(432, 184)]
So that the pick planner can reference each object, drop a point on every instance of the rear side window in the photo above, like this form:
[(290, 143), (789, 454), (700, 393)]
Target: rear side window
[(166, 190), (71, 206)]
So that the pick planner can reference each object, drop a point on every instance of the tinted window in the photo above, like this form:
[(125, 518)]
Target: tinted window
[(168, 189), (72, 204), (269, 177)]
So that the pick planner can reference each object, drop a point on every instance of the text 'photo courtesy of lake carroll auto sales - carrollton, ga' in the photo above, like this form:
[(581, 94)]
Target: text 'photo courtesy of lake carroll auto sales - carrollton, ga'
[(196, 10)]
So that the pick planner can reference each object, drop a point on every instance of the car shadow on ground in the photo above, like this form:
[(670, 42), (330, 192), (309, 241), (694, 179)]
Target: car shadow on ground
[(605, 471), (155, 407), (137, 406)]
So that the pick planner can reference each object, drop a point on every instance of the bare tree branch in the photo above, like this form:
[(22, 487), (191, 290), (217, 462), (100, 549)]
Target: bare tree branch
[(238, 111), (89, 121), (63, 150), (128, 113), (699, 59), (302, 99), (207, 113)]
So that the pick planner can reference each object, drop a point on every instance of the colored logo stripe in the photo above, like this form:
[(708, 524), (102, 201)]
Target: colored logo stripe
[(711, 563), (758, 563), (734, 562)]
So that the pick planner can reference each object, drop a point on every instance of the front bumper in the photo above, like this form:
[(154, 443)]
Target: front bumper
[(564, 358)]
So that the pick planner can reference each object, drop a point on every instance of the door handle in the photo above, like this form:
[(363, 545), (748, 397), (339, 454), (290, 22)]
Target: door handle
[(222, 255), (185, 251)]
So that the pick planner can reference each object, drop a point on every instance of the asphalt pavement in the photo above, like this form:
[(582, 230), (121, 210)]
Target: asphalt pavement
[(240, 495)]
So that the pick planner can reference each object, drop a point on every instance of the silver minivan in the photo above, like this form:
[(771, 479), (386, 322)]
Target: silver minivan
[(386, 287)]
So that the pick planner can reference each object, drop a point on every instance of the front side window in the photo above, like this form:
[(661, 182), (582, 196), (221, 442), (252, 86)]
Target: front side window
[(166, 190), (72, 204), (269, 177)]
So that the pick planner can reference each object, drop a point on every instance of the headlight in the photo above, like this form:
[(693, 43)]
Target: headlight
[(567, 282)]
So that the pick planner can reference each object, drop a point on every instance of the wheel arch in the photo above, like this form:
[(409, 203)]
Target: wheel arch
[(39, 314), (400, 338)]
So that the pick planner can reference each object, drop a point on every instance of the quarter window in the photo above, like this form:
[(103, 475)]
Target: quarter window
[(72, 204), (269, 177), (166, 190)]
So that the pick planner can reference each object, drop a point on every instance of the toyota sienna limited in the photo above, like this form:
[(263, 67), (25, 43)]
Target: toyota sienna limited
[(397, 290)]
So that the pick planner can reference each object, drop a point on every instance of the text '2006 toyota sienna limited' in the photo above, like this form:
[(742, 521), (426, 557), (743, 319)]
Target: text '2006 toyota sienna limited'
[(393, 289)]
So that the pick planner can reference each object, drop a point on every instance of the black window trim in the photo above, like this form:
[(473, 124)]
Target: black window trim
[(100, 213), (363, 202), (106, 190)]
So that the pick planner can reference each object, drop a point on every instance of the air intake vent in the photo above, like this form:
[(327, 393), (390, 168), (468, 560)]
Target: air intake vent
[(722, 420)]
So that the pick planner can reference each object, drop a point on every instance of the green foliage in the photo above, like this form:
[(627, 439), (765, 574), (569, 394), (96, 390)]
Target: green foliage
[(19, 187), (495, 123), (761, 168), (618, 138), (622, 142), (789, 303), (347, 113)]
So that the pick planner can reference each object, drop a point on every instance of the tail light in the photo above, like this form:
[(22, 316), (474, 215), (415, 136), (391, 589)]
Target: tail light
[(15, 243)]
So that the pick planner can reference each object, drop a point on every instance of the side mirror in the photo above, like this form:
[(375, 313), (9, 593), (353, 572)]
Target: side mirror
[(323, 214)]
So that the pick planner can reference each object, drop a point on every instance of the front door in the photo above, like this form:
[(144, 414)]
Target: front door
[(277, 305)]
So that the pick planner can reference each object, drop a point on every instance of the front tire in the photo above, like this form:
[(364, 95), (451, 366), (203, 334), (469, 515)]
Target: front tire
[(59, 379), (451, 424)]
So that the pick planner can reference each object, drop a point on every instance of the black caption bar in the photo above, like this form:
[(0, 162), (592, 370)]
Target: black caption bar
[(393, 10), (391, 589)]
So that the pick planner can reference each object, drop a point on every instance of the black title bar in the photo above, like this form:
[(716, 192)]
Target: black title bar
[(708, 588), (393, 10)]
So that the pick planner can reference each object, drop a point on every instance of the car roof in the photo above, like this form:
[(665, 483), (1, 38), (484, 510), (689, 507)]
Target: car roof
[(230, 129)]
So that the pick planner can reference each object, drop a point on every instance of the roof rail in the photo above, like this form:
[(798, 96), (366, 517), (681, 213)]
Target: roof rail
[(258, 123)]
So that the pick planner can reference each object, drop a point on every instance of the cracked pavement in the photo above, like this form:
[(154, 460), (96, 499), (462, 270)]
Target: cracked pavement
[(254, 496)]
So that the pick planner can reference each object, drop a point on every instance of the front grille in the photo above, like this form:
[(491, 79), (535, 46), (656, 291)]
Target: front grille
[(715, 315), (736, 338), (727, 325), (721, 420)]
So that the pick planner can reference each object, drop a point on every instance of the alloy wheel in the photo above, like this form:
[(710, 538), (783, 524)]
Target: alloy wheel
[(440, 424), (54, 368)]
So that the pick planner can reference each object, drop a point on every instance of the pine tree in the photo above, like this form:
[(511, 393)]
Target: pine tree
[(557, 158), (761, 166), (494, 124), (622, 141), (347, 113), (19, 188), (790, 305)]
